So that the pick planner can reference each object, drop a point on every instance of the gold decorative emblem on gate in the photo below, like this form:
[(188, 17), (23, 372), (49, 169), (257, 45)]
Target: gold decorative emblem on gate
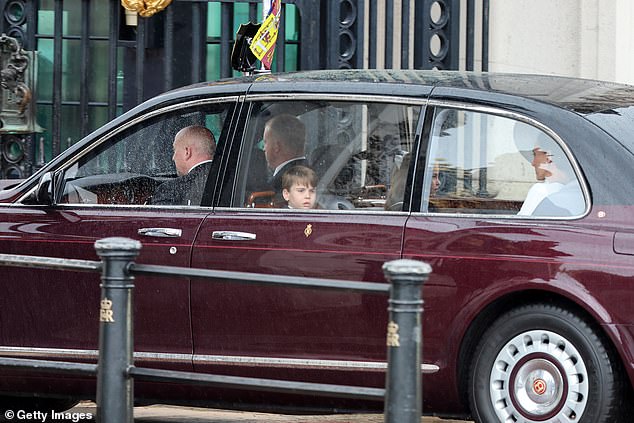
[(145, 8), (106, 313), (308, 230), (392, 335)]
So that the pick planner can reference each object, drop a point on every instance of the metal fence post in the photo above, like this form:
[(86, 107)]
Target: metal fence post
[(115, 397), (403, 385)]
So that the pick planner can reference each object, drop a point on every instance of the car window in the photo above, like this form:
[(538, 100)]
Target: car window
[(355, 153), (133, 165), (488, 164)]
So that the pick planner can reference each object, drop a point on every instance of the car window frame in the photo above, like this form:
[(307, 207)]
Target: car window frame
[(426, 144), (226, 198), (59, 166)]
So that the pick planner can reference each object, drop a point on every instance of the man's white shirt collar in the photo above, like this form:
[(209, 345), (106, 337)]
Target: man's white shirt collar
[(198, 164), (277, 169)]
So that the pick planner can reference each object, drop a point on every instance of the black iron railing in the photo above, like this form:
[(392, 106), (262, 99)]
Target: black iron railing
[(115, 370)]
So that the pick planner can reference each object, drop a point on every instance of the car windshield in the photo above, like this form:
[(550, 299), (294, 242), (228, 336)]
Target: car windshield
[(619, 123)]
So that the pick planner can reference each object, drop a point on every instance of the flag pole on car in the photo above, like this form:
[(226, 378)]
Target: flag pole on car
[(263, 44), (257, 41)]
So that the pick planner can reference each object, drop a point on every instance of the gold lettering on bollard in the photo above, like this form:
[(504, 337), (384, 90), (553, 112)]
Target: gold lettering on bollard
[(392, 335), (105, 313), (308, 230)]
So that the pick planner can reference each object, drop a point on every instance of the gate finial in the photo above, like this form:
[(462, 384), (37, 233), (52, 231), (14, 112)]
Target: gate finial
[(145, 8)]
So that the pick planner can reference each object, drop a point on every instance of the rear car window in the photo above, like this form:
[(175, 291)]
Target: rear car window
[(481, 163)]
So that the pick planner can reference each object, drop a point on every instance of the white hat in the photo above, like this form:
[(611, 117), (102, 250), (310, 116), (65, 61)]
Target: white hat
[(527, 138)]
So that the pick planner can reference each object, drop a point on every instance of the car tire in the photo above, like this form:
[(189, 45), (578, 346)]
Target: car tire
[(543, 363)]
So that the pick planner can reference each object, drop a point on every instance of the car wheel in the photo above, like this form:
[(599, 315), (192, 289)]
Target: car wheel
[(542, 363)]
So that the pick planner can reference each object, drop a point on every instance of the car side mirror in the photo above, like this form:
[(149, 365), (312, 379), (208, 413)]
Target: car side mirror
[(45, 192)]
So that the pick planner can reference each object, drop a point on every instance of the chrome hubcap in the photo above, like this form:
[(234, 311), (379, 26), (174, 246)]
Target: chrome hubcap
[(539, 376), (538, 387)]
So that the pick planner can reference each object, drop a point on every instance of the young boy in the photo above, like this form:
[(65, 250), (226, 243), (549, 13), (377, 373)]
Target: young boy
[(299, 187)]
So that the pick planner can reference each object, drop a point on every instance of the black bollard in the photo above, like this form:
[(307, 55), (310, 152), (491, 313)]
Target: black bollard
[(403, 385), (115, 397)]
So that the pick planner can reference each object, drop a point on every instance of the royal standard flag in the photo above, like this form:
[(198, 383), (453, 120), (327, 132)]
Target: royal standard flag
[(263, 43)]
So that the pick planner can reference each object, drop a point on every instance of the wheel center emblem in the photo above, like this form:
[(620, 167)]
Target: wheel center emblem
[(539, 386)]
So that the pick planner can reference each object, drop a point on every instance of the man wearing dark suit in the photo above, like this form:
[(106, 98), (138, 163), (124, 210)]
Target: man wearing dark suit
[(284, 143), (194, 148)]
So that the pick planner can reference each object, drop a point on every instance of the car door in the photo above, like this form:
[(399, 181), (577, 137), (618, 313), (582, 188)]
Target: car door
[(357, 149), (470, 220), (104, 190)]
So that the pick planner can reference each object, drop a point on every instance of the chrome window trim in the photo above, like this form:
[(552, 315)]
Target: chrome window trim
[(490, 216), (530, 121), (141, 207), (223, 360), (317, 96), (280, 210), (115, 131)]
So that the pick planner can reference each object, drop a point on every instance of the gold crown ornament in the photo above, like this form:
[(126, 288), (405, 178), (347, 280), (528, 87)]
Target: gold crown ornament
[(145, 8)]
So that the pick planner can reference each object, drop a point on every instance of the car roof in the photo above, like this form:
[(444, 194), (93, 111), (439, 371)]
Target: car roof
[(580, 95)]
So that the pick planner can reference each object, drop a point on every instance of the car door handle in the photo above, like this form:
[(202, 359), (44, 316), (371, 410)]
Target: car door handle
[(161, 232), (232, 236)]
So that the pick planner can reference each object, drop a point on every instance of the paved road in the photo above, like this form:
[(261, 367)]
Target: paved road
[(85, 412), (164, 414)]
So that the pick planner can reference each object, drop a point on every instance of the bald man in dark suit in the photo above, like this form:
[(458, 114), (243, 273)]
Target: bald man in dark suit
[(194, 148)]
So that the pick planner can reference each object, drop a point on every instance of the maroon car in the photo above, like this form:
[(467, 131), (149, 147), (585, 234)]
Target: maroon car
[(514, 188)]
